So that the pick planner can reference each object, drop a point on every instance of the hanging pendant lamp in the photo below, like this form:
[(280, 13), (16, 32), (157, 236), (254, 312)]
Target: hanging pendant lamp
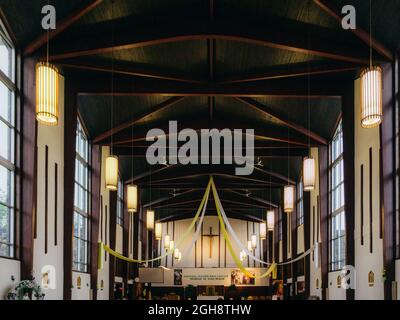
[(112, 173), (288, 199), (158, 231), (47, 99), (308, 173), (253, 241), (167, 242), (171, 245), (263, 231), (132, 195), (371, 97), (176, 254), (150, 220), (249, 246), (270, 220)]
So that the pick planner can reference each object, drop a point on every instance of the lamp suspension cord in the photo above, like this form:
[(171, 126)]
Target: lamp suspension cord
[(112, 78), (370, 34), (308, 83)]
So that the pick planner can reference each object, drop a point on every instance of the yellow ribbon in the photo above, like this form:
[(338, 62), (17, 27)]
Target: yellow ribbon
[(112, 252), (229, 244)]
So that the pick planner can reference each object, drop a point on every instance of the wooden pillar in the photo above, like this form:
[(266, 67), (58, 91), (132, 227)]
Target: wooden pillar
[(28, 160), (388, 141), (113, 231), (324, 216), (70, 118), (95, 216), (348, 160)]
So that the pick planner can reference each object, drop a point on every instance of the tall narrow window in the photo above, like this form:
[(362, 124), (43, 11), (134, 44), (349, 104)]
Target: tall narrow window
[(397, 127), (300, 206), (337, 234), (7, 146), (81, 202), (120, 203)]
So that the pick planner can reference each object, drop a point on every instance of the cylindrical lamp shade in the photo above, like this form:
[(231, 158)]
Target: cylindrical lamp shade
[(270, 220), (371, 97), (47, 99), (243, 255), (171, 245), (288, 199), (308, 173), (112, 173), (249, 246), (158, 231), (132, 195), (167, 242), (176, 254), (150, 220), (263, 231), (253, 241), (179, 256)]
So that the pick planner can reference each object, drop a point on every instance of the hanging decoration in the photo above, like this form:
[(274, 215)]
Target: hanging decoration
[(249, 246), (167, 242), (263, 231), (150, 220), (47, 99), (132, 195), (158, 231), (371, 97), (171, 245), (176, 254), (253, 241), (112, 173), (243, 255), (371, 88), (288, 198), (270, 220), (308, 173)]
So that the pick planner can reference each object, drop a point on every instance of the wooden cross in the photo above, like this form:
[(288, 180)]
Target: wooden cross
[(211, 236)]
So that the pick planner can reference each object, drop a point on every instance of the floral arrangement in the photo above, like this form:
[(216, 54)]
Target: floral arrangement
[(26, 290)]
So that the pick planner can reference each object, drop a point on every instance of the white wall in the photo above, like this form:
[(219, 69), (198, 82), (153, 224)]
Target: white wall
[(335, 292), (53, 138), (8, 268), (315, 264), (364, 260)]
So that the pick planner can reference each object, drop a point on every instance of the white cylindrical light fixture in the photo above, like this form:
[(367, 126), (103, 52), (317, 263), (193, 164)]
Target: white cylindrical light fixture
[(171, 245), (243, 255), (150, 220), (112, 173), (179, 256), (158, 231), (263, 231), (288, 199), (167, 241), (371, 97), (47, 99), (132, 198), (249, 246), (270, 220), (253, 241), (176, 253), (308, 174)]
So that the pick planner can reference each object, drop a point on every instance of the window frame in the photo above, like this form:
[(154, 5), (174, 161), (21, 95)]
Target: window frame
[(338, 162), (11, 163), (79, 212)]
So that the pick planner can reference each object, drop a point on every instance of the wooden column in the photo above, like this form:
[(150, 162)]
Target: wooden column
[(349, 172), (388, 141), (113, 231), (307, 233), (324, 216), (28, 167), (70, 118), (95, 216)]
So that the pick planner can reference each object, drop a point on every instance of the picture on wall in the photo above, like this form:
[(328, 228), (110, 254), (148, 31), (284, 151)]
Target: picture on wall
[(238, 278), (177, 277)]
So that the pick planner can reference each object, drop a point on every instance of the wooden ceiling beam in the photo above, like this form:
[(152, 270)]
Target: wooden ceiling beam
[(158, 108), (293, 88), (268, 111), (61, 27), (290, 71), (123, 68), (291, 40), (363, 35)]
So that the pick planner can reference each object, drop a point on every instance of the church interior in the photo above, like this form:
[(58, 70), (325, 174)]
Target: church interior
[(199, 150)]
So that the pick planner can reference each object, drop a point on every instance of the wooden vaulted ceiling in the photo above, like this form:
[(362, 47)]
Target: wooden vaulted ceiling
[(209, 64)]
